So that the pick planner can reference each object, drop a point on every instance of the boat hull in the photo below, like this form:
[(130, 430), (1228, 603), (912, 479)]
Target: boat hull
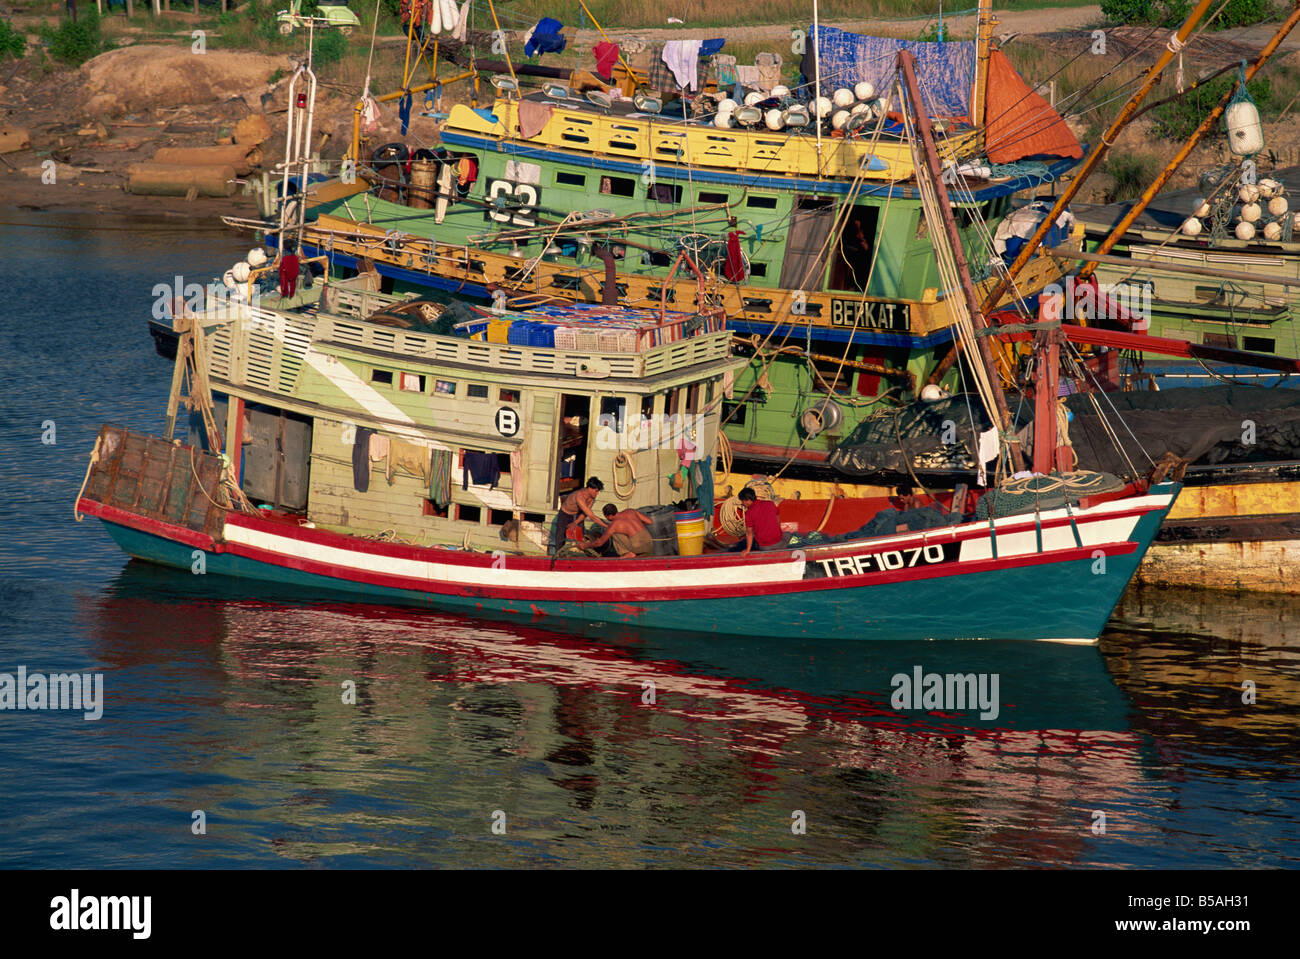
[(1054, 578)]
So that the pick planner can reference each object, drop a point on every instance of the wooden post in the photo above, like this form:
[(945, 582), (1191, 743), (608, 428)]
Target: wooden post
[(906, 62), (985, 22), (1047, 358), (130, 9)]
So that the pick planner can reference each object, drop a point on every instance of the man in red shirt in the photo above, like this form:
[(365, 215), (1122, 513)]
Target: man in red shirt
[(289, 270), (762, 522)]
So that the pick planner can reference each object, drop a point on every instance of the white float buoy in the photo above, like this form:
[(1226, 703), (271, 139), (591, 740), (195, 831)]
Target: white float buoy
[(1250, 212), (1191, 226), (752, 98), (863, 90), (727, 105), (1272, 231), (1269, 188), (1248, 193), (822, 107), (773, 119), (229, 280), (780, 90), (1245, 231), (1278, 206), (241, 271), (859, 108), (256, 257), (723, 119), (1245, 132), (1202, 208), (844, 98), (839, 118)]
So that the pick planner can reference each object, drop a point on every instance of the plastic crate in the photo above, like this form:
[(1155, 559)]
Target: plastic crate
[(566, 338), (498, 331), (519, 333), (542, 334), (588, 341)]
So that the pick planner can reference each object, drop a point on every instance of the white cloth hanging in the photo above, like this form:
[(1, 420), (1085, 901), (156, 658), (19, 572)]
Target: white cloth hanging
[(988, 450), (682, 58)]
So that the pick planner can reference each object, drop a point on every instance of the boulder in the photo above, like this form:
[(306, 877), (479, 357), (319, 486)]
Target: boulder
[(149, 76), (253, 130)]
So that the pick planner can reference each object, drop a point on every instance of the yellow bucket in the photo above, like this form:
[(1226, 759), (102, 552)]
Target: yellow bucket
[(691, 528)]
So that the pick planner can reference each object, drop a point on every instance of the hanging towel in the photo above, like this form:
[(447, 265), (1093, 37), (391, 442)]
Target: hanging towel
[(734, 268), (379, 449), (658, 76), (412, 458), (606, 57), (361, 459), (440, 480), (683, 58), (544, 37), (988, 450), (462, 22), (709, 47), (518, 479), (480, 468), (533, 117)]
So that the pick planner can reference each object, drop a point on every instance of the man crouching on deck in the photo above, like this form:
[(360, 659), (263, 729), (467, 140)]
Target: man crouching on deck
[(762, 523), (628, 530)]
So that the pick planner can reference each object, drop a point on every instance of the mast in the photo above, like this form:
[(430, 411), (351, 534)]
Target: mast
[(906, 63), (983, 50), (1175, 44), (1149, 193)]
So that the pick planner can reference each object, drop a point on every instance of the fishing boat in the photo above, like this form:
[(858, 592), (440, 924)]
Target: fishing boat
[(811, 233), (380, 460)]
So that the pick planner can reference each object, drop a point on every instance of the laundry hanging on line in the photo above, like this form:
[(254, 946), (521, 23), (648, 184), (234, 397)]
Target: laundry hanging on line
[(606, 56), (544, 37)]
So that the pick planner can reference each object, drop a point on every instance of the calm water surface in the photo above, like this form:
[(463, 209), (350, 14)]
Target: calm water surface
[(227, 699)]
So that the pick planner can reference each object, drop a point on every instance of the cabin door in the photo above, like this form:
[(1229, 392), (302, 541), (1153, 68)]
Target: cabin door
[(810, 225), (573, 442)]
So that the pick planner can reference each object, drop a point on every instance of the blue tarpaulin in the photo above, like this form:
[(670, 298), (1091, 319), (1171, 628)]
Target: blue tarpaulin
[(945, 71)]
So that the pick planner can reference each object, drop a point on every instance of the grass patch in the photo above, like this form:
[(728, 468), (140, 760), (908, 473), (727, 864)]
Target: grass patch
[(12, 43), (75, 43), (1237, 13), (1130, 174)]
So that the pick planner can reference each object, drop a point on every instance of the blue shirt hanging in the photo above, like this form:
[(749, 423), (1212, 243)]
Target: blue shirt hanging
[(404, 112), (545, 37)]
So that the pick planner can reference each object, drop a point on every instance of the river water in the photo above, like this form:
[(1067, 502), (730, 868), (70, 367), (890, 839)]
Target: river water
[(489, 745)]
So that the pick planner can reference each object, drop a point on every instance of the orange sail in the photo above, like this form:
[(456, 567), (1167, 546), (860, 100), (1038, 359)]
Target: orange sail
[(1018, 122)]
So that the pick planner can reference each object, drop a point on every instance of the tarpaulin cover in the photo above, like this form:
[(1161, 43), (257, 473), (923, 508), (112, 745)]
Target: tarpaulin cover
[(945, 71), (1018, 122)]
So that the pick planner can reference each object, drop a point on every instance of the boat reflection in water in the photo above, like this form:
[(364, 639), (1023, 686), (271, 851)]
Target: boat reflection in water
[(624, 749)]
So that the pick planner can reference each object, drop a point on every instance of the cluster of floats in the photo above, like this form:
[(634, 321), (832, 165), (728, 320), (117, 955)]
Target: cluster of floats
[(766, 307)]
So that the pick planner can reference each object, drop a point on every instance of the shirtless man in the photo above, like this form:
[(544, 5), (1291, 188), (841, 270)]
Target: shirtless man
[(576, 505), (628, 530)]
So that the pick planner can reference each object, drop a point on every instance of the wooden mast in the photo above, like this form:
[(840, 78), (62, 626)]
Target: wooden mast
[(1175, 44), (983, 50), (906, 64), (1148, 195)]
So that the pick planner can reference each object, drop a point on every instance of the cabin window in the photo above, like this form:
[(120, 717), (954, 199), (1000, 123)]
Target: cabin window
[(476, 391), (709, 387), (693, 398), (675, 402), (570, 179), (664, 193), (647, 407), (1226, 340), (612, 410), (509, 396), (656, 258), (534, 518), (761, 202), (411, 383), (382, 376), (1258, 344), (834, 374), (617, 186), (734, 413), (469, 514), (445, 387), (757, 269), (427, 508), (499, 517), (708, 196)]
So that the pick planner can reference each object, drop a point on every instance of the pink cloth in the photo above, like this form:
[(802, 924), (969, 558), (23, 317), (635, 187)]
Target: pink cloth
[(533, 117)]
